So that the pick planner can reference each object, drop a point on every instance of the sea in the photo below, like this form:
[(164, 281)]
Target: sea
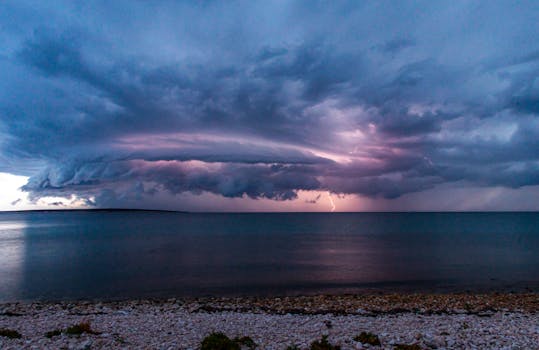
[(123, 254)]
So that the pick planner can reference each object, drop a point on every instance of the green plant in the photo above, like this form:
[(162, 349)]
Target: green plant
[(78, 329), (219, 341), (119, 338), (53, 333), (245, 341), (324, 344), (368, 338), (407, 347), (9, 333)]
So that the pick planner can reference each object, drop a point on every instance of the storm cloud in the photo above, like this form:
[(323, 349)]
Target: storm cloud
[(123, 100)]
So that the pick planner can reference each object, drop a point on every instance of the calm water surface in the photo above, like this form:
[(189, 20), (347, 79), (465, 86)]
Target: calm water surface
[(110, 255)]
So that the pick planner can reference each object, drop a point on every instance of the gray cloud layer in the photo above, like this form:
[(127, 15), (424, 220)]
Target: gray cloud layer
[(264, 99)]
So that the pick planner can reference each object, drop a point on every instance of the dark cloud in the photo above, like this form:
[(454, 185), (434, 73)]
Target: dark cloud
[(54, 55), (119, 102), (314, 200), (395, 45)]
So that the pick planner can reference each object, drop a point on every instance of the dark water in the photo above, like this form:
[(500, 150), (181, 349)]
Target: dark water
[(73, 255)]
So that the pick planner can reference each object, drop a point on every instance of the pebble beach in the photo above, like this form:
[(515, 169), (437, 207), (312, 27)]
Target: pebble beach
[(425, 321)]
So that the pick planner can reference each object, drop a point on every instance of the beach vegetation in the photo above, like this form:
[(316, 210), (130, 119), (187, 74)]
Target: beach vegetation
[(407, 347), (246, 342), (77, 329), (53, 333), (324, 344), (10, 333), (293, 347), (80, 328), (219, 341), (368, 338), (119, 338)]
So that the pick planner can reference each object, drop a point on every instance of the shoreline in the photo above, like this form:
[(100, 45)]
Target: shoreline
[(482, 321), (338, 304)]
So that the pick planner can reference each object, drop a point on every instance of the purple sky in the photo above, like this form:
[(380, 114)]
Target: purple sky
[(270, 105)]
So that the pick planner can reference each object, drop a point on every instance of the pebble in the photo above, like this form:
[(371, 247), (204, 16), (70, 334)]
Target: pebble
[(175, 324)]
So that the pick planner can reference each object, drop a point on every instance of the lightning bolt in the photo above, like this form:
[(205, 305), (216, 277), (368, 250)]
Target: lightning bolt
[(331, 201)]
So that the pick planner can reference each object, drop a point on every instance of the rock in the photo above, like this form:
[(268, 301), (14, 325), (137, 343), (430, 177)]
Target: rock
[(161, 325)]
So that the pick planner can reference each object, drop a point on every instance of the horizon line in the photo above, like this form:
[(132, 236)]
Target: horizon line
[(262, 212)]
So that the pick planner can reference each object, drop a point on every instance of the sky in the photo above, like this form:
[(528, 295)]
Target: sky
[(269, 105)]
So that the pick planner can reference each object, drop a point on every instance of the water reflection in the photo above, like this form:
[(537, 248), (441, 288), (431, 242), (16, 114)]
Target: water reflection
[(12, 255), (137, 254)]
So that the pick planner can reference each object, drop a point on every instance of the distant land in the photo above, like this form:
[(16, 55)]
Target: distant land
[(261, 212), (93, 210)]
